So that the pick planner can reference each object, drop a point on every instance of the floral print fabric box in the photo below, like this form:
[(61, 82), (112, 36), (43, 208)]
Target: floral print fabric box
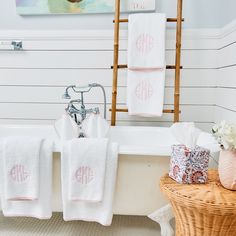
[(189, 166)]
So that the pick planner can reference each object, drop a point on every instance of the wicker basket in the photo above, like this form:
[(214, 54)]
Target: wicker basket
[(202, 210)]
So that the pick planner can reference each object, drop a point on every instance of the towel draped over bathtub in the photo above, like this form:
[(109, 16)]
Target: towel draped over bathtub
[(26, 177), (87, 166), (21, 168), (97, 204)]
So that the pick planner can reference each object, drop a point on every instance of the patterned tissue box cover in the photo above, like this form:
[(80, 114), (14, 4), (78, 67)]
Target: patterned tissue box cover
[(189, 166)]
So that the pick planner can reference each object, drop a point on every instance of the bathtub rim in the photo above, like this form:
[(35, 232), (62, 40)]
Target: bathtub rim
[(148, 150)]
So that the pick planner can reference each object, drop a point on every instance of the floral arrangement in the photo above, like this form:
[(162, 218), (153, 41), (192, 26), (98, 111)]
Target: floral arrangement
[(225, 134)]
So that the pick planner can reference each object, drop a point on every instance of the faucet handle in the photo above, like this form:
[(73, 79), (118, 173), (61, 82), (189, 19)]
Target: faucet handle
[(94, 110)]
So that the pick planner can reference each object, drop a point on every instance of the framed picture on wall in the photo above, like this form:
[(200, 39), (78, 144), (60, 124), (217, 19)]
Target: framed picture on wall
[(36, 7)]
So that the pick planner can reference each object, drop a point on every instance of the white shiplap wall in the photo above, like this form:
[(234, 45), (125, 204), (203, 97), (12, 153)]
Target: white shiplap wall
[(226, 76), (32, 81)]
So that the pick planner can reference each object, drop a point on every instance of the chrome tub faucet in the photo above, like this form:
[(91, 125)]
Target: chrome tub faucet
[(73, 111)]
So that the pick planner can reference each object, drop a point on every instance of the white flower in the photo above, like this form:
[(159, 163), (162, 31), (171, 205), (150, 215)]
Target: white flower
[(225, 134)]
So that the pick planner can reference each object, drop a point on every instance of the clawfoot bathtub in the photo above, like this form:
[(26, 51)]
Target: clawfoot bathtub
[(144, 156)]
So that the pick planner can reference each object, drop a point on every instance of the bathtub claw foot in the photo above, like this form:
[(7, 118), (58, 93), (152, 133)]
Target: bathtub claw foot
[(163, 217)]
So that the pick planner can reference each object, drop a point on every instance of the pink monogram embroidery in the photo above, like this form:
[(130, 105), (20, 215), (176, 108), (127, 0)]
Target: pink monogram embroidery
[(84, 175), (144, 43), (19, 173), (144, 90)]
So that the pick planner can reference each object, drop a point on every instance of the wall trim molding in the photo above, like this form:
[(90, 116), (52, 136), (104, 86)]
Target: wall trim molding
[(61, 35), (228, 29), (188, 34)]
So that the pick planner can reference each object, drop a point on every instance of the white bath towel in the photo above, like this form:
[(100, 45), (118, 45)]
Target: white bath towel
[(95, 126), (66, 128), (86, 169), (21, 168), (40, 208), (100, 212), (145, 92), (146, 41)]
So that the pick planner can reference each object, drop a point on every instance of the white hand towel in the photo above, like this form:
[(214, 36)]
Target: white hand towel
[(145, 92), (95, 126), (21, 168), (101, 212), (42, 207), (66, 128), (146, 41), (87, 165)]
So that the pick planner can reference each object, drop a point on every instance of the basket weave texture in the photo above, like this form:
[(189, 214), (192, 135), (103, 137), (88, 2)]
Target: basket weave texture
[(202, 209)]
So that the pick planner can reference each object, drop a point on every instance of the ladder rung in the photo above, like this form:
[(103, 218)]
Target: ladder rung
[(168, 67), (126, 110), (168, 20)]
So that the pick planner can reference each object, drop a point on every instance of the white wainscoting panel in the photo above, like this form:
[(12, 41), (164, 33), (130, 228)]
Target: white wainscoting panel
[(226, 76), (32, 81)]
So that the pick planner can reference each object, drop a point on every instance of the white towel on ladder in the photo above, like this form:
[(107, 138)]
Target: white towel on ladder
[(146, 41), (146, 64), (145, 93)]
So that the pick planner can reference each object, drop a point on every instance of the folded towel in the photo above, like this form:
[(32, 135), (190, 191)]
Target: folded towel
[(145, 92), (40, 208), (21, 168), (86, 169), (95, 126), (100, 212), (146, 41), (66, 128)]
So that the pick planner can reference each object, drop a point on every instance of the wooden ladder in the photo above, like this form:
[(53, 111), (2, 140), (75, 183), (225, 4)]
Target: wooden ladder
[(177, 67)]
